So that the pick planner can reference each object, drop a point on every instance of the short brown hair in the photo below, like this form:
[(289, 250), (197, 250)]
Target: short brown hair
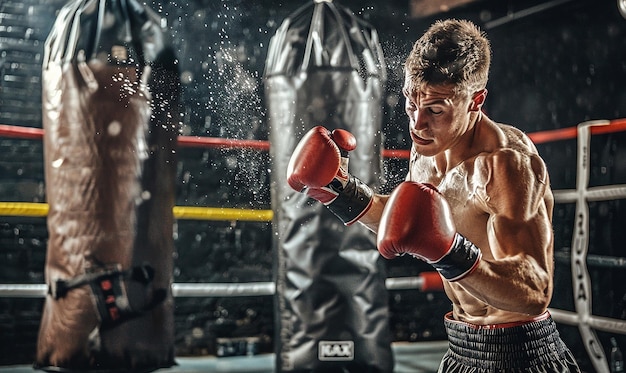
[(453, 52)]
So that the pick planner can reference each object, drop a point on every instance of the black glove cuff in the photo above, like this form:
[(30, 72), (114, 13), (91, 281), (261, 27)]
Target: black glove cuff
[(352, 201), (460, 261)]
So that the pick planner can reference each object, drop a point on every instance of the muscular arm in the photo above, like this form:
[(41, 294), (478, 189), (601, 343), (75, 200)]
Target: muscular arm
[(516, 275)]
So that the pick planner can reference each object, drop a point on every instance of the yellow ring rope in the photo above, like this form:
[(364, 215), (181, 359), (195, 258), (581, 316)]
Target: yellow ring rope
[(180, 212)]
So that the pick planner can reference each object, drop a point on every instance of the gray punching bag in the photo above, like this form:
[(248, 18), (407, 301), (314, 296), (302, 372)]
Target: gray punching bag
[(325, 67), (110, 103)]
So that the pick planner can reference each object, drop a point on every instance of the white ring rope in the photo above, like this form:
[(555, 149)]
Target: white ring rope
[(244, 289), (593, 194), (605, 324)]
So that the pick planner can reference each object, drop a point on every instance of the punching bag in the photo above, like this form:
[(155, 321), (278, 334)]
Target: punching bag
[(325, 67), (110, 100)]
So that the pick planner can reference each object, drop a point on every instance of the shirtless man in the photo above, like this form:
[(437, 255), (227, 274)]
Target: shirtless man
[(476, 204)]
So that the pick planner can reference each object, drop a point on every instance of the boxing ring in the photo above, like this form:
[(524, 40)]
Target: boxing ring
[(582, 317)]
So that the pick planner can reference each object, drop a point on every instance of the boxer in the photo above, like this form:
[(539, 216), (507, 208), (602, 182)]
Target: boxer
[(476, 204)]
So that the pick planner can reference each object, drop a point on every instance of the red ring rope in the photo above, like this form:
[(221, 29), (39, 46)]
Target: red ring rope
[(568, 133), (616, 125)]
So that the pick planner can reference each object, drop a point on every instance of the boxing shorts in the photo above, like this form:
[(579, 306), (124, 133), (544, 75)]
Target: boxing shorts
[(533, 346)]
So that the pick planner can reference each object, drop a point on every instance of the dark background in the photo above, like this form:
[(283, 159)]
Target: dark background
[(551, 69)]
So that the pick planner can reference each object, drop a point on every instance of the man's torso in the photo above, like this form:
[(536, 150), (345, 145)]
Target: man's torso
[(464, 188)]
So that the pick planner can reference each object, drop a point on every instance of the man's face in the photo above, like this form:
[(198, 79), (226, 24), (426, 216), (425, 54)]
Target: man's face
[(437, 118)]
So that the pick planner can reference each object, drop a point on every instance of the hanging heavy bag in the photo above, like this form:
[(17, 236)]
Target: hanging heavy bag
[(110, 110), (325, 68)]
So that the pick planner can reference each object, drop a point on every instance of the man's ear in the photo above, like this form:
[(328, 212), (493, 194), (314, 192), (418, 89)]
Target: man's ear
[(478, 99)]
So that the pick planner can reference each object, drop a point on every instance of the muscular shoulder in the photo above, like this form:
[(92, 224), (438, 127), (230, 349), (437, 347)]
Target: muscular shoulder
[(513, 179)]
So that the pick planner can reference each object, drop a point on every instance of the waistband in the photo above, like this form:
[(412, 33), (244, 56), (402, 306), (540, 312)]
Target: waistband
[(506, 347), (543, 316)]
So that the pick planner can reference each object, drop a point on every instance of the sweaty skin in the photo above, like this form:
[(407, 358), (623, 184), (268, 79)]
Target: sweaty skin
[(497, 187)]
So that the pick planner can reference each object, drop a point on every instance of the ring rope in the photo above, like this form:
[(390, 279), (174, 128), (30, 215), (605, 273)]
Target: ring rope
[(426, 281), (592, 194), (34, 209), (178, 290), (569, 133), (594, 260), (268, 288), (539, 137), (605, 324)]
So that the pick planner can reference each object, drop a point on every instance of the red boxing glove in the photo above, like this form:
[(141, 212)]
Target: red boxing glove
[(417, 220), (319, 168)]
